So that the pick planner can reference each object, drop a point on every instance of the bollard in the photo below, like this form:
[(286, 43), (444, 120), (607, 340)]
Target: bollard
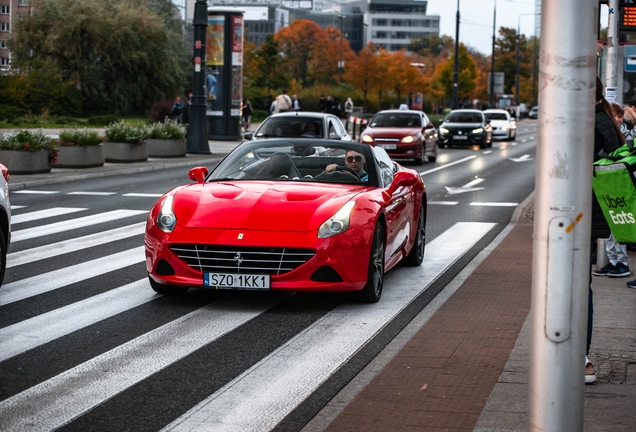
[(601, 254)]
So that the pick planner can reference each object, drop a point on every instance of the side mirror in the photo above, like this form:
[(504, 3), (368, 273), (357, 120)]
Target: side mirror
[(248, 136), (401, 179), (198, 174), (429, 126)]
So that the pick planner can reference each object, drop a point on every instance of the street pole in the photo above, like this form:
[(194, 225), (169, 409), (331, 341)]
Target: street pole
[(197, 141), (455, 102), (563, 205), (611, 65), (340, 65), (492, 60)]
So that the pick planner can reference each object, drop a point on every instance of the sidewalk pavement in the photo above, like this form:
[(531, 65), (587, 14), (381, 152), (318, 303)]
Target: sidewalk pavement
[(462, 363)]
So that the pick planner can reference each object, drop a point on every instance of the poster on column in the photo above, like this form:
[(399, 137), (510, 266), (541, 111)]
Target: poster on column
[(237, 65), (214, 79)]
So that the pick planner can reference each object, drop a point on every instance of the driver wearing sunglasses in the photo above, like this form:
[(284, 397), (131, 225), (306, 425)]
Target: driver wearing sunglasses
[(355, 161)]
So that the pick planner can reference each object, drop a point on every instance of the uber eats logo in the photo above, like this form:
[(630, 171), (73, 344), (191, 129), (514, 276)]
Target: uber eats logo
[(618, 217)]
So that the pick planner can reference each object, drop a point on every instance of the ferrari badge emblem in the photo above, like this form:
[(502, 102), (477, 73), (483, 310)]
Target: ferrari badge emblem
[(240, 236)]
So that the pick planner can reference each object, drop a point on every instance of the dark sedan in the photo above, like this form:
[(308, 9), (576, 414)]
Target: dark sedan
[(466, 127)]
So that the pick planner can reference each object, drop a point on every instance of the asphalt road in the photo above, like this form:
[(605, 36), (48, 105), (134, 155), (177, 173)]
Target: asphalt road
[(86, 344)]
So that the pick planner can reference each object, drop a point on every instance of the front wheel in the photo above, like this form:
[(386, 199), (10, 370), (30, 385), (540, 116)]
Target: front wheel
[(416, 255), (166, 289), (372, 291)]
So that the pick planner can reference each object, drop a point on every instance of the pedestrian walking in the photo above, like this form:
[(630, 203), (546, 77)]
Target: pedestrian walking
[(322, 104), (296, 103), (348, 110), (607, 138), (283, 102), (246, 114), (268, 104), (177, 110)]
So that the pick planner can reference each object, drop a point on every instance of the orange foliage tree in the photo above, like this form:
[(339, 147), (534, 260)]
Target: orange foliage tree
[(297, 42), (326, 54), (405, 78)]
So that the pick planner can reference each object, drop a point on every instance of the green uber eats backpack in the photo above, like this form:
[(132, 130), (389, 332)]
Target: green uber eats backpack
[(614, 184)]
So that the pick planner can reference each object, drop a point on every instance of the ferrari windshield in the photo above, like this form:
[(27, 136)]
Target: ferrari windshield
[(397, 120), (464, 117), (300, 160)]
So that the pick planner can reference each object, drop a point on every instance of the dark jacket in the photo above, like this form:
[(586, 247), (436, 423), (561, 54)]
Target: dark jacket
[(605, 141)]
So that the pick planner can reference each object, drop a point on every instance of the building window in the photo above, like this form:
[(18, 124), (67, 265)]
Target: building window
[(380, 35), (3, 43), (379, 22), (4, 61), (396, 23), (4, 27), (5, 9), (23, 2)]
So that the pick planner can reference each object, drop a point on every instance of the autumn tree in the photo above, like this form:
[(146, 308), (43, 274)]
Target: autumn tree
[(383, 76), (270, 66), (326, 54), (467, 75), (296, 44), (404, 77), (360, 72)]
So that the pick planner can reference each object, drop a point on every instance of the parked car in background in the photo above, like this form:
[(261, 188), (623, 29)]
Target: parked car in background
[(467, 127), (289, 214), (301, 124), (5, 219), (403, 134), (503, 125), (534, 112)]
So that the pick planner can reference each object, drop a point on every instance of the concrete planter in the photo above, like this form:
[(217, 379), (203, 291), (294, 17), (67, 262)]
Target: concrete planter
[(80, 156), (125, 152), (26, 162), (166, 148)]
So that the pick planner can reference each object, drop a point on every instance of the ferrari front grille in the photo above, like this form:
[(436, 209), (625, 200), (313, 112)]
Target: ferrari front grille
[(232, 259)]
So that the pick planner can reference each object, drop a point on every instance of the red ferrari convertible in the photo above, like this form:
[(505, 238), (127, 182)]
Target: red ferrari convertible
[(289, 214)]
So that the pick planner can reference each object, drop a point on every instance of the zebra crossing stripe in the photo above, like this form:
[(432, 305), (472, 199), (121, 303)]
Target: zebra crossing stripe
[(333, 339), (43, 214), (72, 245), (31, 333), (91, 383), (50, 281), (34, 192), (54, 228)]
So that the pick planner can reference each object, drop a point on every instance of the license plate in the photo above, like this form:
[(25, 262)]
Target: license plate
[(460, 137), (236, 281), (387, 146)]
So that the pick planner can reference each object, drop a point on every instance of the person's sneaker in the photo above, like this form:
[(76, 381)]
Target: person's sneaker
[(603, 271), (619, 270), (632, 284), (590, 376)]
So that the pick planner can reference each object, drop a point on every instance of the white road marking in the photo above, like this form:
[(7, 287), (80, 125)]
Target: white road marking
[(43, 214), (466, 159), (487, 152), (31, 333), (524, 158), (494, 204), (143, 195), (55, 402), (15, 207), (448, 203), (75, 244), (333, 339), (91, 193), (34, 192), (50, 281), (468, 187), (72, 224)]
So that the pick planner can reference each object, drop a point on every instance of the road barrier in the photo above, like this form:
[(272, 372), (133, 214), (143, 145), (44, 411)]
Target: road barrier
[(356, 121)]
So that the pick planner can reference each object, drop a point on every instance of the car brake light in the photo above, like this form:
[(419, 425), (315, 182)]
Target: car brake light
[(5, 172)]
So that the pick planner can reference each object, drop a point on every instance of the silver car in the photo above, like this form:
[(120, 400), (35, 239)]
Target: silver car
[(5, 219), (503, 125), (301, 125)]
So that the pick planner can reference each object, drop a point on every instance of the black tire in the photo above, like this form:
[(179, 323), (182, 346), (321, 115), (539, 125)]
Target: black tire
[(416, 255), (514, 137), (372, 291), (434, 157), (3, 257), (166, 289), (483, 144)]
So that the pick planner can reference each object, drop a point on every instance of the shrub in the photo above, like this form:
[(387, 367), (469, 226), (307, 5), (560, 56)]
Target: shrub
[(102, 120), (169, 129), (10, 113), (122, 131), (160, 111), (63, 120), (80, 137), (29, 141)]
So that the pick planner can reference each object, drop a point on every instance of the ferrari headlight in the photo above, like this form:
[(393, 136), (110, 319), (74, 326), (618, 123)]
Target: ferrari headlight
[(338, 223), (408, 139), (443, 130), (367, 138), (478, 130), (166, 220)]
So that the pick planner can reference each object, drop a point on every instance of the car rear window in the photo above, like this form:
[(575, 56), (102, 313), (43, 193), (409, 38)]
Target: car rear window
[(464, 117), (399, 120), (497, 116)]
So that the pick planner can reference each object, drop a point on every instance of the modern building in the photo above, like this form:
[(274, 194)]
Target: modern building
[(10, 12)]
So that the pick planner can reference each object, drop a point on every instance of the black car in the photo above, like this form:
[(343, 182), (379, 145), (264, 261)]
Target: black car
[(466, 126)]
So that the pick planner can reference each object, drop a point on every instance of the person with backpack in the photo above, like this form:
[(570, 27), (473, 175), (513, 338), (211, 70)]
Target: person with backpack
[(283, 102)]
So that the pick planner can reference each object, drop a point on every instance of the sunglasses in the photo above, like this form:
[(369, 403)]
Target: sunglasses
[(354, 158)]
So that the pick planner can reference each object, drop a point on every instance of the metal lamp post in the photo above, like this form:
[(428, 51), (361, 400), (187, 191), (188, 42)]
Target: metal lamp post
[(197, 141), (455, 102), (340, 65)]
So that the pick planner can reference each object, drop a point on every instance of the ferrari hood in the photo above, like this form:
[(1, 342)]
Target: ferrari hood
[(265, 206)]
